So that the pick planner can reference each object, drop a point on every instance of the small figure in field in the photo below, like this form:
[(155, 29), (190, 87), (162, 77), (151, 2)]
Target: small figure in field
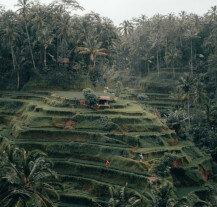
[(107, 163), (106, 90), (141, 157)]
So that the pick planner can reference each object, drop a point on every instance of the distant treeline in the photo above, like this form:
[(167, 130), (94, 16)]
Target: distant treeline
[(169, 41), (48, 42)]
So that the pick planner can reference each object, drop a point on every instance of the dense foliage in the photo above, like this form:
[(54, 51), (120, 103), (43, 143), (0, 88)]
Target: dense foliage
[(90, 97), (25, 178), (46, 47), (45, 44), (186, 47), (185, 42)]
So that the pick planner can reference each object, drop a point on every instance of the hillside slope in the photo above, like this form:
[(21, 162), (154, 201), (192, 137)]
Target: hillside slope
[(80, 140)]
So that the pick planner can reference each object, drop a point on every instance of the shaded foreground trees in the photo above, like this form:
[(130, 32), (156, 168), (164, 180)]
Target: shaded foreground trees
[(25, 178)]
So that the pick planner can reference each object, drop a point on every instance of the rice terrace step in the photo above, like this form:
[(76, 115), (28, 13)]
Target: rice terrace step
[(79, 143)]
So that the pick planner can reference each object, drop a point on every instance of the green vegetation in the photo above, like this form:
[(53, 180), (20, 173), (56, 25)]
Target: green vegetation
[(90, 97), (80, 140), (25, 178), (158, 130)]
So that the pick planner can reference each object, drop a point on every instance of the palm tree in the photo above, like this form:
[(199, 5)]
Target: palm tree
[(192, 33), (120, 198), (126, 27), (148, 60), (70, 4), (25, 177), (168, 27), (93, 48), (62, 25), (9, 34), (171, 57), (182, 23), (24, 7), (155, 40), (186, 86), (213, 12), (210, 42), (45, 38), (42, 31)]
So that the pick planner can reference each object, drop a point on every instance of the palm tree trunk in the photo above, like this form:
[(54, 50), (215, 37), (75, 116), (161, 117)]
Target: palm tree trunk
[(148, 68), (191, 57), (94, 63), (13, 58), (180, 39), (45, 59), (189, 119), (208, 113), (57, 50), (158, 69), (30, 47), (18, 79), (62, 55), (166, 51), (173, 69)]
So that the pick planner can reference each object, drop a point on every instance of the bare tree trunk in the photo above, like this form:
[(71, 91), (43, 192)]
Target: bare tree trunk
[(30, 47)]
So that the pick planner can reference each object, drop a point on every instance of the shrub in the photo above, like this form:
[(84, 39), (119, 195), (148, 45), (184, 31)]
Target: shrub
[(90, 97), (106, 123), (161, 167), (142, 97), (176, 121), (176, 117)]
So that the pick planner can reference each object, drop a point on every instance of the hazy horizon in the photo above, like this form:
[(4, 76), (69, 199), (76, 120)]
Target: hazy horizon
[(120, 10)]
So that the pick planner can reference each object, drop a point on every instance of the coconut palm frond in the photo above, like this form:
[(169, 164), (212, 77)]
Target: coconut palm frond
[(26, 176), (101, 53)]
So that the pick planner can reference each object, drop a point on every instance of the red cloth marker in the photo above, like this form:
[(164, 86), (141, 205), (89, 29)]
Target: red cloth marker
[(107, 163)]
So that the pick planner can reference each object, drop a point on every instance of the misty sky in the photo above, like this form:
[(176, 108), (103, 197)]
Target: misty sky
[(119, 10)]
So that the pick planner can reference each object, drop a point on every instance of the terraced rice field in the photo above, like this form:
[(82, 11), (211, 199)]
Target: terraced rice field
[(79, 141)]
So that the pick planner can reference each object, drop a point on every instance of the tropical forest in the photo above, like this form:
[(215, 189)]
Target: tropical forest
[(104, 115)]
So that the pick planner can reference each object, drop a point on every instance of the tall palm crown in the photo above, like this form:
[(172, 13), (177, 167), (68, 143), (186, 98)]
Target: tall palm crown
[(126, 27), (9, 30), (122, 198), (24, 178), (93, 48), (24, 7)]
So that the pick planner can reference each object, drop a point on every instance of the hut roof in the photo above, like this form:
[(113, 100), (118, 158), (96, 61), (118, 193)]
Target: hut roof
[(104, 98)]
